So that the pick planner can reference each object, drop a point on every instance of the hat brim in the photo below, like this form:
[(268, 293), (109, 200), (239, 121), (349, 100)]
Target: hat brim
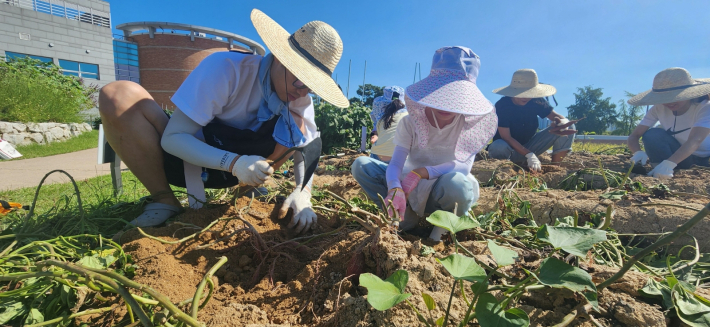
[(276, 39), (445, 93), (539, 91), (652, 98)]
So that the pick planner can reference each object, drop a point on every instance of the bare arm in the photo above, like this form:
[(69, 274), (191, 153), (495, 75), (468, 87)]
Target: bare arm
[(696, 137), (505, 135), (633, 140)]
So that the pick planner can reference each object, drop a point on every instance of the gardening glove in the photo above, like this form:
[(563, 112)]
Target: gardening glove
[(562, 122), (304, 218), (533, 162), (252, 170), (410, 182), (664, 170), (639, 157), (399, 202)]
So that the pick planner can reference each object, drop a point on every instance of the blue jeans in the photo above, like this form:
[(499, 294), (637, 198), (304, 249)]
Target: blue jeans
[(449, 189), (538, 144), (660, 146)]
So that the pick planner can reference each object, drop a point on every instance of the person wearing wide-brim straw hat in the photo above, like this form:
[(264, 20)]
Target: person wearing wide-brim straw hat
[(517, 138), (234, 112), (680, 104), (449, 121)]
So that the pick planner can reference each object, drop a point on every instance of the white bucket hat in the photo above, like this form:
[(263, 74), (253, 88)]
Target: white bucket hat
[(672, 85), (311, 54), (451, 86), (525, 85), (381, 102)]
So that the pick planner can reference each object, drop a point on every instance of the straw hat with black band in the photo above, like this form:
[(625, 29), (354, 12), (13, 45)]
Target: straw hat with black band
[(525, 85), (311, 54), (672, 85)]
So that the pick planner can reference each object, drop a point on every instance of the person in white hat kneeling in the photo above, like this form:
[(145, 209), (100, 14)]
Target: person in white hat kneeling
[(680, 104), (517, 137), (387, 111), (234, 112), (449, 121)]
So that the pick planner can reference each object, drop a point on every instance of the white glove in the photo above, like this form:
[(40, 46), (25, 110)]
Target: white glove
[(533, 162), (562, 122), (639, 156), (252, 170), (303, 216), (664, 170)]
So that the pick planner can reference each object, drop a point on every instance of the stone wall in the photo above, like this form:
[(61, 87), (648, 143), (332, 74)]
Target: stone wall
[(40, 133)]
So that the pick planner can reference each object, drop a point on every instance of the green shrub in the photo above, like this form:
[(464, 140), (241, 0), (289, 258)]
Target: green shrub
[(33, 91), (341, 127)]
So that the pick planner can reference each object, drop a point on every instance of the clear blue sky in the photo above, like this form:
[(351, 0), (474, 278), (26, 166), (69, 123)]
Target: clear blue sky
[(616, 45)]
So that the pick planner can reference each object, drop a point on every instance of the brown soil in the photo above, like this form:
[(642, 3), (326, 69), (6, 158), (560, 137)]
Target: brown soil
[(285, 283)]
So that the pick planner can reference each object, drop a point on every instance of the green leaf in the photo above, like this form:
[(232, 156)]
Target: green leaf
[(383, 295), (567, 221), (429, 301), (490, 314), (574, 240), (690, 309), (503, 256), (614, 195), (658, 290), (97, 261), (451, 222), (556, 273), (440, 321), (34, 317), (426, 250), (399, 279), (11, 310), (463, 267)]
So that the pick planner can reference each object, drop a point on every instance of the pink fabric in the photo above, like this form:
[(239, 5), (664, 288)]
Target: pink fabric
[(399, 202), (410, 182)]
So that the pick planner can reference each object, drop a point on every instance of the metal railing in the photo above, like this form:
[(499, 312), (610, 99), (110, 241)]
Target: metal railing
[(65, 9)]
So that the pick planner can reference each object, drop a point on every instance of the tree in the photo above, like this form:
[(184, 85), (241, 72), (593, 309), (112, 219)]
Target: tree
[(369, 93), (629, 116), (600, 113)]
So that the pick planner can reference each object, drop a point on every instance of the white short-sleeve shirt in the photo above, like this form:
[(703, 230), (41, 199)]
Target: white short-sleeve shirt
[(698, 115)]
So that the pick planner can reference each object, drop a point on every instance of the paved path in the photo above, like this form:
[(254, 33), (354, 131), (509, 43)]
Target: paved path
[(29, 172)]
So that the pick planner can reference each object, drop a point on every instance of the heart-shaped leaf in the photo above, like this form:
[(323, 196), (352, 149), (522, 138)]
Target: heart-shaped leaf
[(429, 301), (556, 273), (574, 240), (463, 267), (503, 256), (451, 222), (34, 317), (661, 290), (384, 294), (690, 309), (490, 314)]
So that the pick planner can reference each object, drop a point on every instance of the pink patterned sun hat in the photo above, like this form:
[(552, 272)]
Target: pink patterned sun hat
[(451, 86)]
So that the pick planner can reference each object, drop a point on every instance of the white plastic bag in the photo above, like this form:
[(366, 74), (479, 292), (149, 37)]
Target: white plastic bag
[(7, 151)]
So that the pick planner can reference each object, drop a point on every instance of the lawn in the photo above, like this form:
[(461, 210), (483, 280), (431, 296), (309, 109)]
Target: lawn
[(87, 140)]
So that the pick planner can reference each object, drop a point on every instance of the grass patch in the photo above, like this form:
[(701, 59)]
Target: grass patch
[(86, 140), (600, 148)]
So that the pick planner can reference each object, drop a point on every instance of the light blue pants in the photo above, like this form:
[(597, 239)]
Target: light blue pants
[(538, 144), (449, 189), (660, 145)]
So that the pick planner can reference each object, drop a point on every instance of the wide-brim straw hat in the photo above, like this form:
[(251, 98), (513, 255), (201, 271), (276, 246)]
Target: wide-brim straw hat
[(526, 85), (672, 85), (311, 54), (451, 86)]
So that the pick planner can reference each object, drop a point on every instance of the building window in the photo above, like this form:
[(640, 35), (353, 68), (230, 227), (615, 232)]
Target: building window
[(125, 58), (79, 69), (12, 55)]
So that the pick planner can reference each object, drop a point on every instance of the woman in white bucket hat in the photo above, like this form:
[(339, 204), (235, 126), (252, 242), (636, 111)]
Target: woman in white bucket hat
[(680, 104), (387, 111), (259, 106), (517, 137), (449, 121)]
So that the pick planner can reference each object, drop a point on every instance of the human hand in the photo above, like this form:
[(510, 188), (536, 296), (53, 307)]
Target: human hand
[(252, 170), (399, 202), (560, 126), (639, 157), (410, 182), (533, 162), (303, 218), (664, 170)]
